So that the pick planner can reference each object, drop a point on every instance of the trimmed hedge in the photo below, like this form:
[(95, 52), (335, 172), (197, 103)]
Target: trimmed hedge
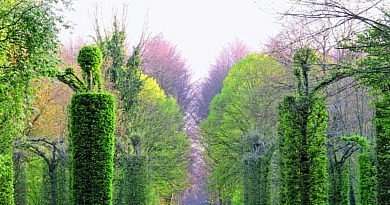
[(137, 182), (6, 179), (6, 163), (302, 133), (92, 126), (366, 177), (256, 181), (90, 60), (382, 123)]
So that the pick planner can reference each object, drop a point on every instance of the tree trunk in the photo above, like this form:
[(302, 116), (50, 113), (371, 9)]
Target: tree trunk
[(53, 185)]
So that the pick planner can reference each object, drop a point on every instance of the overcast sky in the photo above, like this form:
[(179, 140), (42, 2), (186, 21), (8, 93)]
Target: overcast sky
[(199, 28)]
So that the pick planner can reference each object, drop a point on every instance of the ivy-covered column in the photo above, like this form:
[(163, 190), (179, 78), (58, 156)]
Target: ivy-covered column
[(137, 181), (251, 180), (339, 184), (366, 177), (302, 134), (302, 126), (92, 126), (256, 180), (382, 123), (6, 169)]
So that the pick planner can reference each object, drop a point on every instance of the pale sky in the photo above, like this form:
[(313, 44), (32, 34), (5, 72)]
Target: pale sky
[(199, 28)]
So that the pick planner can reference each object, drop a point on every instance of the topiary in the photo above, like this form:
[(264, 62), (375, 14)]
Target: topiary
[(90, 60), (92, 127)]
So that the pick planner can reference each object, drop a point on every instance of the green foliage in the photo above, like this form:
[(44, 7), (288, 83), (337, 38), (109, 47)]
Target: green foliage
[(130, 84), (28, 38), (90, 60), (367, 179), (92, 126), (339, 185), (305, 57), (373, 71), (20, 179), (167, 148), (359, 140), (158, 125), (288, 154), (63, 185), (256, 180), (302, 126), (137, 181), (246, 103), (149, 124), (113, 51), (6, 173), (382, 124), (35, 173)]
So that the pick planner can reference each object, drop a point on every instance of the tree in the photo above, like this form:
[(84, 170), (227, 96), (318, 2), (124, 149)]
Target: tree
[(158, 125), (162, 61), (367, 181), (302, 137), (147, 117), (28, 34), (245, 105), (213, 83)]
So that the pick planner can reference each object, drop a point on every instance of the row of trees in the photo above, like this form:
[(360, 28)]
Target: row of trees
[(151, 147), (306, 124)]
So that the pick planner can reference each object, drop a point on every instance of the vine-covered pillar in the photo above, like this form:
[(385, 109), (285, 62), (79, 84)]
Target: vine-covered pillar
[(92, 126), (338, 183), (256, 180), (289, 147), (302, 125), (251, 180), (137, 180), (366, 177), (6, 163), (382, 123)]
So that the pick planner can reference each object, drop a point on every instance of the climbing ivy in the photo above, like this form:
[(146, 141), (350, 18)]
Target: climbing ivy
[(382, 124), (137, 181), (302, 125), (302, 135), (367, 179)]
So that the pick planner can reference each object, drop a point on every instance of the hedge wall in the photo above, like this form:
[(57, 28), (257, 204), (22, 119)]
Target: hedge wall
[(92, 126)]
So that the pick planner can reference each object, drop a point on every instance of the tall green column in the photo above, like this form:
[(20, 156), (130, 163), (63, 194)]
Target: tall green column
[(92, 126), (382, 123)]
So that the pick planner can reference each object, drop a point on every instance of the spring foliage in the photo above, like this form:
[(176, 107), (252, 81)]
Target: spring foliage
[(27, 40), (92, 128), (90, 60), (245, 104)]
